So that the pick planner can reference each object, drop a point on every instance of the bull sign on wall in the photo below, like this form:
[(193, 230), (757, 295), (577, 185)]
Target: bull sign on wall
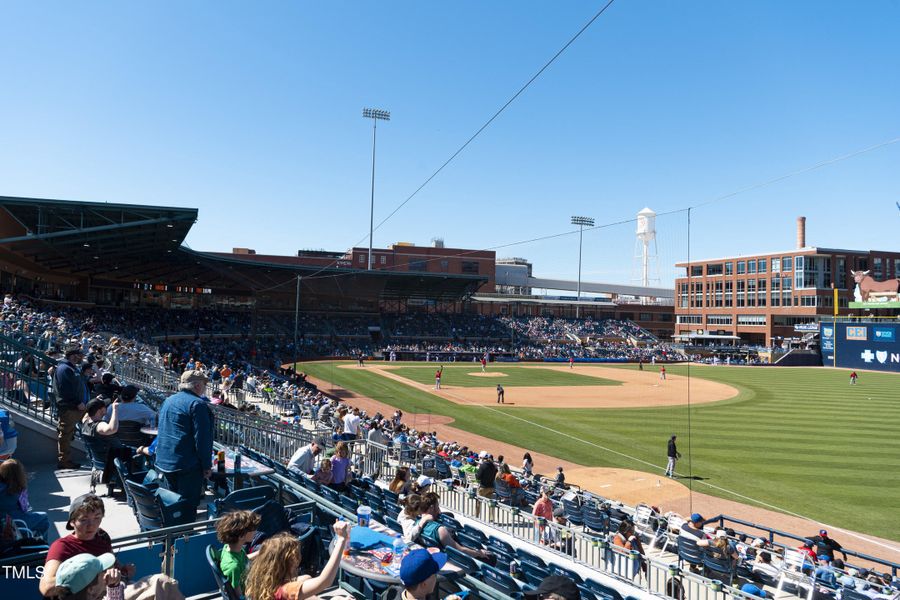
[(871, 291)]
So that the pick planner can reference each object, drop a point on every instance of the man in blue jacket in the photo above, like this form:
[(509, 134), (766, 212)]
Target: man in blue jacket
[(185, 440), (72, 397)]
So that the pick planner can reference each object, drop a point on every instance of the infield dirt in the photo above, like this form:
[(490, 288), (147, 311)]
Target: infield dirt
[(638, 389)]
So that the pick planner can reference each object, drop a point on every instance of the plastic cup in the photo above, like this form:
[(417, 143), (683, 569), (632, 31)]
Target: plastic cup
[(364, 515)]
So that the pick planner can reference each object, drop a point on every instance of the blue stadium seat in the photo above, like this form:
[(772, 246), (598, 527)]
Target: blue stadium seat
[(603, 592), (499, 580), (689, 552), (351, 503), (462, 560), (721, 567), (475, 533), (244, 499), (558, 570)]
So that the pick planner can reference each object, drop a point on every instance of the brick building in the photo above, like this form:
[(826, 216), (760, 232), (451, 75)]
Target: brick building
[(761, 298)]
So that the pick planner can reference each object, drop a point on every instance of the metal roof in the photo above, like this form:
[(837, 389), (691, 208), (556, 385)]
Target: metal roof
[(115, 243)]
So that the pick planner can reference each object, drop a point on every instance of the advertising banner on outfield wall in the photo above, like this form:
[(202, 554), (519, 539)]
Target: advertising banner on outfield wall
[(873, 346)]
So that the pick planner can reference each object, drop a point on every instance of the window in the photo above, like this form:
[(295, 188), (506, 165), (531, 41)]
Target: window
[(761, 265), (751, 320), (751, 266), (470, 267), (776, 265), (718, 301), (362, 258), (798, 263), (808, 300), (742, 267), (729, 296), (761, 292), (729, 268), (787, 263), (419, 265), (445, 265), (776, 291), (877, 268), (382, 259), (690, 319), (714, 269), (751, 292), (645, 317), (697, 271), (718, 320), (682, 295), (896, 267), (740, 292)]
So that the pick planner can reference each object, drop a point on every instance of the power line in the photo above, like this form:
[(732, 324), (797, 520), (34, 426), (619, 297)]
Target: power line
[(497, 114)]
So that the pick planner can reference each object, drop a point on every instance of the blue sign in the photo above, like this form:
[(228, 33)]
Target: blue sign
[(827, 337), (855, 347), (883, 334)]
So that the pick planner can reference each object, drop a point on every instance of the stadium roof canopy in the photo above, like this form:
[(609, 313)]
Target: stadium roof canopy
[(143, 244)]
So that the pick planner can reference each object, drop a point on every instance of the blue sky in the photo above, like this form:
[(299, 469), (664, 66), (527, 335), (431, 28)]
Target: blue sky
[(251, 112)]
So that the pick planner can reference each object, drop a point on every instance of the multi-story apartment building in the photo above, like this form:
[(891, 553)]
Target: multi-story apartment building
[(761, 298)]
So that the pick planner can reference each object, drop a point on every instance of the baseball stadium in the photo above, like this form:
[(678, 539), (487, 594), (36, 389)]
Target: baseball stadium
[(637, 445)]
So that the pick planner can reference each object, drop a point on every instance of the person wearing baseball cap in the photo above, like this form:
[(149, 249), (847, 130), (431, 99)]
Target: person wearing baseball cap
[(555, 587), (184, 445), (87, 537), (693, 528), (418, 572), (72, 397), (80, 576), (824, 545)]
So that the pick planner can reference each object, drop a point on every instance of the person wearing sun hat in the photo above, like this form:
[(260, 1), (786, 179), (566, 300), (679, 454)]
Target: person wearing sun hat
[(83, 576), (418, 572)]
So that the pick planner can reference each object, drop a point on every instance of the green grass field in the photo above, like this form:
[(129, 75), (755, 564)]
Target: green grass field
[(514, 376), (800, 440)]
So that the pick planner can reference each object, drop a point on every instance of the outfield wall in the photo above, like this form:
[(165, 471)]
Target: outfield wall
[(861, 345)]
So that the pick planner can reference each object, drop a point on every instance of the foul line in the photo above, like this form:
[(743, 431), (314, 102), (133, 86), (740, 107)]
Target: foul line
[(644, 462)]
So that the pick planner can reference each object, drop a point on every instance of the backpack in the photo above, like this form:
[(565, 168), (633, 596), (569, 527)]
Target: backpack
[(430, 534), (274, 519)]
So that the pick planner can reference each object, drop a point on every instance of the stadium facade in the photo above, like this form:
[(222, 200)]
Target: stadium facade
[(768, 298), (133, 256)]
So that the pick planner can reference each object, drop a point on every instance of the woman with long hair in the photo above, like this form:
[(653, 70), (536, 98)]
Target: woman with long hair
[(273, 573), (401, 483), (527, 465)]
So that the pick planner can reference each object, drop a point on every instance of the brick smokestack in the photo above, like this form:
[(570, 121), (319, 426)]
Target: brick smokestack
[(801, 232)]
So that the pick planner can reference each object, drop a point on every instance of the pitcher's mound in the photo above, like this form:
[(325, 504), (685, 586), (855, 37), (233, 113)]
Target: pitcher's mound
[(488, 374)]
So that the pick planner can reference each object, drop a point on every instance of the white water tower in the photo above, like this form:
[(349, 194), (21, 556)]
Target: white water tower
[(646, 235)]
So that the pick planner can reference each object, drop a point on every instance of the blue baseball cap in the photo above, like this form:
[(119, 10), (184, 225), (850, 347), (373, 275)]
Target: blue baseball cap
[(749, 588), (81, 570), (696, 517), (419, 565)]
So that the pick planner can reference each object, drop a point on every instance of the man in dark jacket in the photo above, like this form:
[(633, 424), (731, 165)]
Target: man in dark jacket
[(185, 440), (486, 475), (72, 396), (673, 456)]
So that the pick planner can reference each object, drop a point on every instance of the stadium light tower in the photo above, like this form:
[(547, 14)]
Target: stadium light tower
[(375, 114), (581, 222)]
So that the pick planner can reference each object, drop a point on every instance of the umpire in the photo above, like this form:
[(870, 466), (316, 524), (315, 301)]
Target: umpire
[(673, 454)]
